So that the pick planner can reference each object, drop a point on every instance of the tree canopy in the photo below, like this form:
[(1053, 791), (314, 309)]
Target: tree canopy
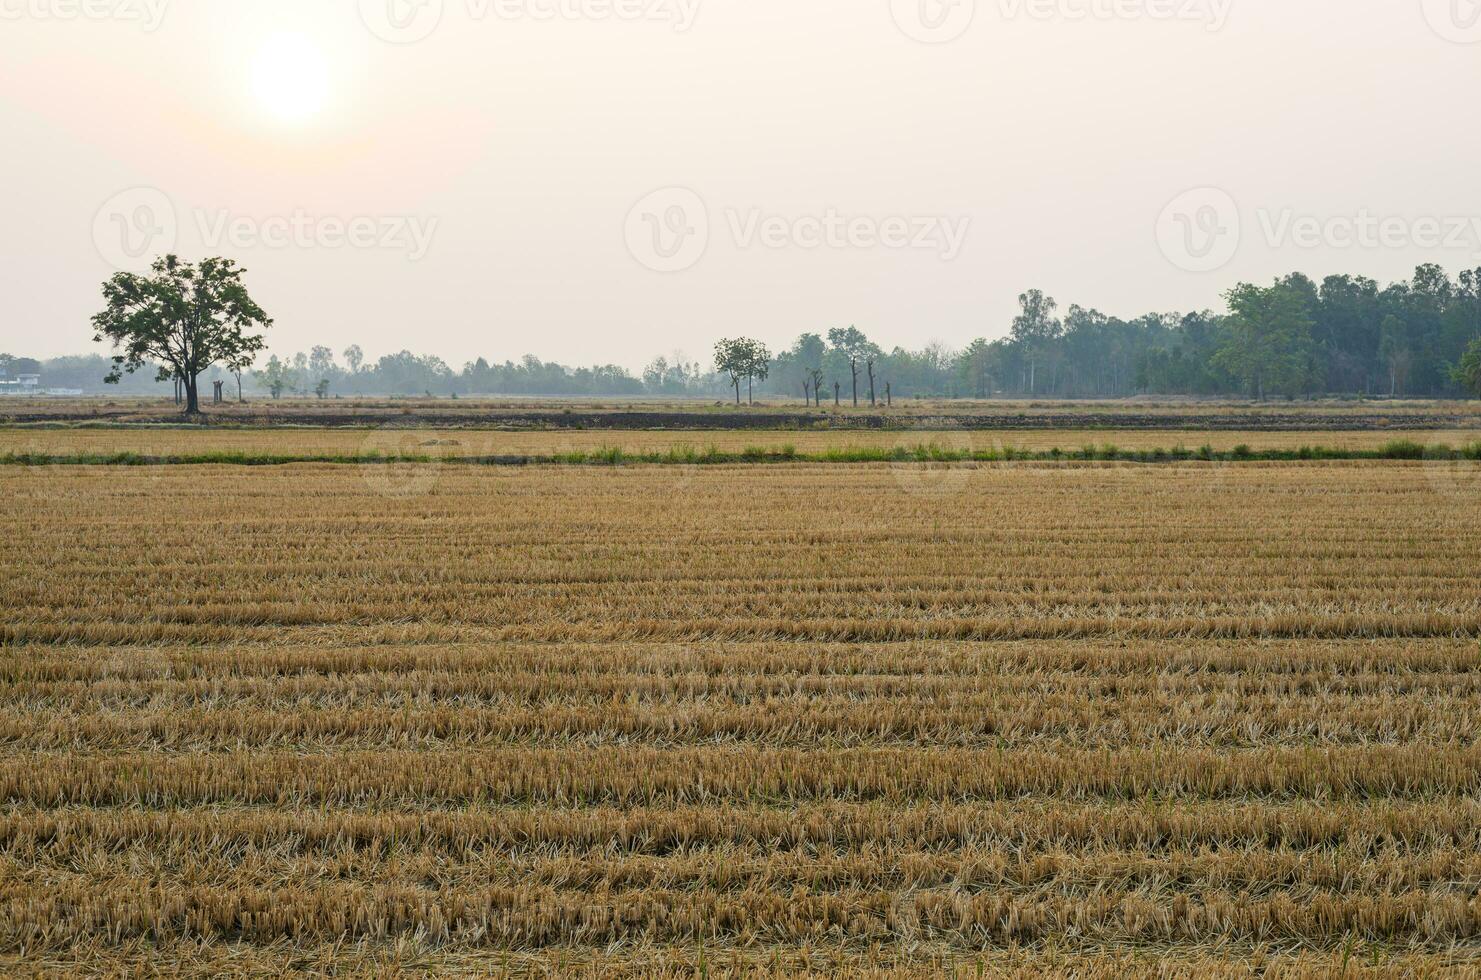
[(742, 359), (180, 319), (1468, 372)]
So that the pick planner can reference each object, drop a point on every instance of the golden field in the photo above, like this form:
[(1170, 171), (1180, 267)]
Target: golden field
[(1077, 719), (259, 406), (464, 443)]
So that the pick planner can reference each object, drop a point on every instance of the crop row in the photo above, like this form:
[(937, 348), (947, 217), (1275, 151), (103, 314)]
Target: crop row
[(456, 443)]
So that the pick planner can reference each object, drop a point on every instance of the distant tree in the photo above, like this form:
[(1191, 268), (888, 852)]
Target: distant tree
[(301, 373), (1269, 345), (321, 390), (1036, 329), (743, 359), (12, 365), (975, 369), (656, 374), (816, 377), (732, 358), (671, 375), (809, 351), (321, 363), (794, 365), (870, 362), (758, 366), (238, 366), (1395, 353), (354, 357), (180, 319), (851, 344), (275, 377), (1468, 372)]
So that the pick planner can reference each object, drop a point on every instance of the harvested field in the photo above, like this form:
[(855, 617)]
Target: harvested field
[(1087, 719), (462, 443)]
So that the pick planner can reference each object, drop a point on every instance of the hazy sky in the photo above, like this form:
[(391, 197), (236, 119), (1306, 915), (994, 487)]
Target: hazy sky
[(603, 180)]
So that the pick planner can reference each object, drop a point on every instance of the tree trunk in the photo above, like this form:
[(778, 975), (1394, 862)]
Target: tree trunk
[(872, 402), (750, 393), (737, 392), (192, 397)]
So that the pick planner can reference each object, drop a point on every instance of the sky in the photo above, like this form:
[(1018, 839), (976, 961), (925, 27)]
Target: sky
[(602, 181)]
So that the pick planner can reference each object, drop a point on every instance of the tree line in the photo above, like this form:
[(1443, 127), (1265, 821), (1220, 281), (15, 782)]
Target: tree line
[(1292, 338)]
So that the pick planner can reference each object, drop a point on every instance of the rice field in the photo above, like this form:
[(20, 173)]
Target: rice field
[(466, 442), (1089, 720)]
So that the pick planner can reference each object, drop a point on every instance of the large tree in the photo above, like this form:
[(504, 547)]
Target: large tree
[(181, 318), (1395, 352), (975, 369), (733, 358), (1037, 329), (758, 366), (796, 364), (1269, 342), (355, 357), (850, 344), (743, 359), (1468, 372)]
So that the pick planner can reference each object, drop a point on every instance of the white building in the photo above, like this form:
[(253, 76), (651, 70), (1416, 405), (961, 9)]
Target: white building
[(19, 384)]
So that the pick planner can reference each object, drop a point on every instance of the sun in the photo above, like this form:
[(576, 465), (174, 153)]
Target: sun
[(290, 77)]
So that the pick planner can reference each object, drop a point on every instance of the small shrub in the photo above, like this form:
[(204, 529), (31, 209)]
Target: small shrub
[(1402, 449)]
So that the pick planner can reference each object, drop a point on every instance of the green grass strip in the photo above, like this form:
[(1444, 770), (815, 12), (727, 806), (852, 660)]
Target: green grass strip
[(687, 456)]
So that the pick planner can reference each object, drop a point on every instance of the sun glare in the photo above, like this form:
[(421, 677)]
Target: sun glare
[(290, 77)]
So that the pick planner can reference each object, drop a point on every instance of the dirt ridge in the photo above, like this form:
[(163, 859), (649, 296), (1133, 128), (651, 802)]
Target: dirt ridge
[(681, 421)]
